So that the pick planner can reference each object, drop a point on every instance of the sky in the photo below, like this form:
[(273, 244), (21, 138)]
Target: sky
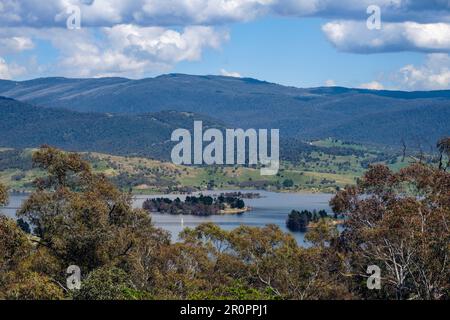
[(376, 44)]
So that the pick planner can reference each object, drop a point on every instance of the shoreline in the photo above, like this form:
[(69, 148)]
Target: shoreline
[(235, 211), (154, 192), (299, 192)]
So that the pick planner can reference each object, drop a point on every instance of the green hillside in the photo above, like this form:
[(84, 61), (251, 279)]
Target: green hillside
[(26, 126), (314, 171)]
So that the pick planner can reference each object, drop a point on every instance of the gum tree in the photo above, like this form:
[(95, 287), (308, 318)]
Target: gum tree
[(80, 218), (400, 222), (3, 195), (443, 146)]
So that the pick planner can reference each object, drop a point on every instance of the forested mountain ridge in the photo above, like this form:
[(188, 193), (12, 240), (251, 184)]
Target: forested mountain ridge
[(315, 113), (24, 126)]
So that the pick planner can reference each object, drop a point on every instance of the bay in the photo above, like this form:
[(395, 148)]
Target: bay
[(270, 208)]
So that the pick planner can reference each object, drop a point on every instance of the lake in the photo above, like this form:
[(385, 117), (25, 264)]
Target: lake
[(271, 208)]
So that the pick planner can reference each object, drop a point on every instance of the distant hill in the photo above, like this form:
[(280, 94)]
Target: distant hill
[(23, 126), (368, 116)]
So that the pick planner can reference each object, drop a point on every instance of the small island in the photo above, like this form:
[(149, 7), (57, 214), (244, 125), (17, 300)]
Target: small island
[(300, 221), (197, 205)]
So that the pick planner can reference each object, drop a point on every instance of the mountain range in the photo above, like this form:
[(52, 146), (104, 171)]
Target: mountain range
[(101, 110)]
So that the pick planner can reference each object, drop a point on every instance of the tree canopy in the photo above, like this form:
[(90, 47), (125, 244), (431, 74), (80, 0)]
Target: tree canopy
[(3, 195), (398, 221)]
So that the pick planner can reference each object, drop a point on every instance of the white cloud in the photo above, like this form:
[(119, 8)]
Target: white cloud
[(330, 83), (106, 13), (230, 74), (15, 44), (374, 85), (10, 71), (354, 36), (137, 37), (165, 44), (4, 70), (434, 74), (201, 11), (126, 50)]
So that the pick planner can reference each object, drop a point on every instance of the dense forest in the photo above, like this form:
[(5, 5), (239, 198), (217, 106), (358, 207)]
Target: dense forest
[(147, 135), (398, 221), (27, 126), (360, 115)]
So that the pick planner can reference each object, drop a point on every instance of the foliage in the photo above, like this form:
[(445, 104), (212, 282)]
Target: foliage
[(82, 219), (266, 259), (288, 183), (297, 221), (323, 233), (17, 281), (104, 283), (396, 220), (14, 159), (443, 146), (14, 245), (399, 222), (3, 195), (23, 225), (33, 286)]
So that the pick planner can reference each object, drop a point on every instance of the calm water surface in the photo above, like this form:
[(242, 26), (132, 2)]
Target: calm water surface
[(271, 208)]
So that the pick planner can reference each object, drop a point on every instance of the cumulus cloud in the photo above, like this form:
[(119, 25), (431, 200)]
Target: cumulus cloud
[(15, 44), (354, 36), (165, 44), (434, 74), (330, 83), (201, 11), (52, 13), (230, 74), (407, 25), (136, 37), (10, 71), (126, 50)]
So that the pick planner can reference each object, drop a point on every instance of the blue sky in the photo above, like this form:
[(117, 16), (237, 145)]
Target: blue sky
[(302, 43), (295, 52)]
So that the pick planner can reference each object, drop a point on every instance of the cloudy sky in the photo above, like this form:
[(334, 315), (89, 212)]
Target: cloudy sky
[(302, 43)]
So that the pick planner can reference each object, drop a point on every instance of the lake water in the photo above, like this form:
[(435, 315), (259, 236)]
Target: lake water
[(271, 208)]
